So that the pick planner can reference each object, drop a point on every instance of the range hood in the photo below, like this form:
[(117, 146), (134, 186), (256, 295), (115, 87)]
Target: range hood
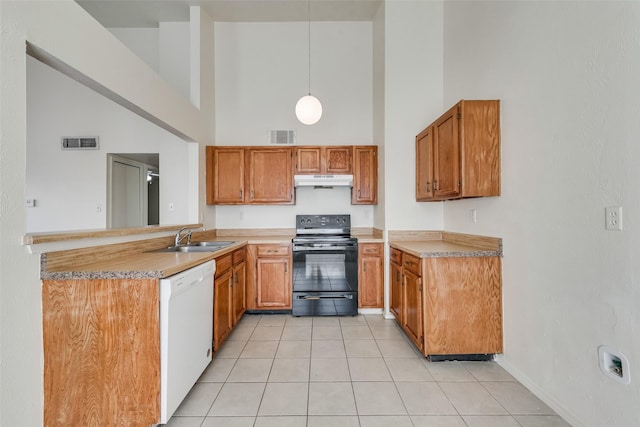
[(323, 180)]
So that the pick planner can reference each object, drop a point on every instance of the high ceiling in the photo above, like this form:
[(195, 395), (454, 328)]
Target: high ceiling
[(148, 13)]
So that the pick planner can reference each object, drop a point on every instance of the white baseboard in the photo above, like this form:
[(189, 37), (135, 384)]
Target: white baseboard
[(369, 311), (539, 392)]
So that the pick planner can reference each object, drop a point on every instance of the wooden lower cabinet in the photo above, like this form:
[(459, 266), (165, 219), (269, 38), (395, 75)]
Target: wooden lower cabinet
[(370, 275), (448, 305), (239, 293), (395, 284), (95, 378), (270, 276), (229, 301)]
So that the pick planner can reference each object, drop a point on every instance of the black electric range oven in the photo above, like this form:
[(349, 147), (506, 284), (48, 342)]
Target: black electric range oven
[(325, 266)]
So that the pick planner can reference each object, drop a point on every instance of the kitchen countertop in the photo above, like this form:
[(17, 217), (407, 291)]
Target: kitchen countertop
[(439, 244), (440, 248), (151, 265)]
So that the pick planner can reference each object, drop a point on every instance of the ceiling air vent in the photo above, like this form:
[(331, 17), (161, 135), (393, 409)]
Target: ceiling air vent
[(80, 143), (282, 137)]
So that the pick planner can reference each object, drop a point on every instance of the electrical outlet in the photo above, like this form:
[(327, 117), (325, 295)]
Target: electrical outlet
[(613, 218), (474, 216), (171, 207)]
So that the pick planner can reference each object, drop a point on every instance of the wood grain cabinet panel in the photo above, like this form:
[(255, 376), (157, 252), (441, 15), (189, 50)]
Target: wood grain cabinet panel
[(270, 177), (225, 175), (323, 160), (396, 285), (92, 377), (463, 305), (458, 155), (229, 302), (448, 306), (365, 175), (370, 275), (269, 277), (249, 175), (239, 292)]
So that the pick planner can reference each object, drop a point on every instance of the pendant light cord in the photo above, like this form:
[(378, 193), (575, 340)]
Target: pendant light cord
[(309, 40)]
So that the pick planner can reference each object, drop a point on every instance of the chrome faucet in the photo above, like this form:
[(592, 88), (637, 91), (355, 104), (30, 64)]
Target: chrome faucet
[(180, 239)]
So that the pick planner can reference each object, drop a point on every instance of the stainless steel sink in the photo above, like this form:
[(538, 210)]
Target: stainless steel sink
[(197, 247)]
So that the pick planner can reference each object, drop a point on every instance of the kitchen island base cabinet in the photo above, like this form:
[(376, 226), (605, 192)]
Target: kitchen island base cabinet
[(448, 305), (96, 378)]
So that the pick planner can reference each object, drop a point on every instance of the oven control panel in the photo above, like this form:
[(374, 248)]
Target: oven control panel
[(323, 221)]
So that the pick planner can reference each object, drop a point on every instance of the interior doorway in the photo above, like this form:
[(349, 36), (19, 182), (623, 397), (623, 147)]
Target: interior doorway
[(132, 190)]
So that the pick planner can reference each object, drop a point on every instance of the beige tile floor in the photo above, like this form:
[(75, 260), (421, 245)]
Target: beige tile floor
[(279, 370)]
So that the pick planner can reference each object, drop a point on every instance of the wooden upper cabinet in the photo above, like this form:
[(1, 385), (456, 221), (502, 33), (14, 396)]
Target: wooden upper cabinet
[(458, 155), (225, 175), (446, 159), (338, 160), (365, 175), (308, 160), (323, 160), (249, 175), (270, 177), (424, 165)]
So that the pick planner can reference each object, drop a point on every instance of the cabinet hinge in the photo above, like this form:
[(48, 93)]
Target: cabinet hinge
[(459, 184), (458, 115), (420, 288), (421, 339)]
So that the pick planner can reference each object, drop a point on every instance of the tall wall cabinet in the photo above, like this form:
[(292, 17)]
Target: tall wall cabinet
[(458, 155)]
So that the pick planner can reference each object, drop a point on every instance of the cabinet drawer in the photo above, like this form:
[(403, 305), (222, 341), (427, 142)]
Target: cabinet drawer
[(272, 250), (374, 249), (411, 263), (395, 256), (223, 264), (239, 256)]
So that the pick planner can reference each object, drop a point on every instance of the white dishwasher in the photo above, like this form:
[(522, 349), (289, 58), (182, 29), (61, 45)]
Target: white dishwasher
[(186, 333)]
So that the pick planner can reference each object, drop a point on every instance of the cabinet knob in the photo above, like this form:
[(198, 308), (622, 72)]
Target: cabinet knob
[(435, 184), (428, 184)]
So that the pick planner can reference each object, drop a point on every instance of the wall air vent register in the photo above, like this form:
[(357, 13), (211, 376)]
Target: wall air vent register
[(80, 143), (282, 137)]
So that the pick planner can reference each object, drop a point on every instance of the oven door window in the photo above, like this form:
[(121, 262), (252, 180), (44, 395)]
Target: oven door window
[(325, 271)]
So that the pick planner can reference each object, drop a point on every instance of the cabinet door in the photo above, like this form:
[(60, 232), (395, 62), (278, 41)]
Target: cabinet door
[(395, 297), (308, 160), (412, 315), (424, 165), (270, 176), (365, 175), (222, 308), (225, 175), (338, 160), (370, 276), (239, 291), (273, 282), (446, 149)]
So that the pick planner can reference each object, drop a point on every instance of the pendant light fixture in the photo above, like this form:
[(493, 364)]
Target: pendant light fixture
[(308, 108)]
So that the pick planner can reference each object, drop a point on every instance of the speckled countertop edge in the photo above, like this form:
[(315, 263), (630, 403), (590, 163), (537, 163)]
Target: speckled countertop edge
[(440, 249)]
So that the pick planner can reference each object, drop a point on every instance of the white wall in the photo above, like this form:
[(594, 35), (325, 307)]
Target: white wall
[(567, 76), (261, 70), (413, 99), (69, 185), (174, 55), (144, 42)]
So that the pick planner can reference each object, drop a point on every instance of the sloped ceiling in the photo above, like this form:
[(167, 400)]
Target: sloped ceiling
[(148, 13)]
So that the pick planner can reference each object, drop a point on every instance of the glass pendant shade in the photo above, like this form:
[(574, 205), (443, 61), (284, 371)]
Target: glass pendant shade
[(308, 110)]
